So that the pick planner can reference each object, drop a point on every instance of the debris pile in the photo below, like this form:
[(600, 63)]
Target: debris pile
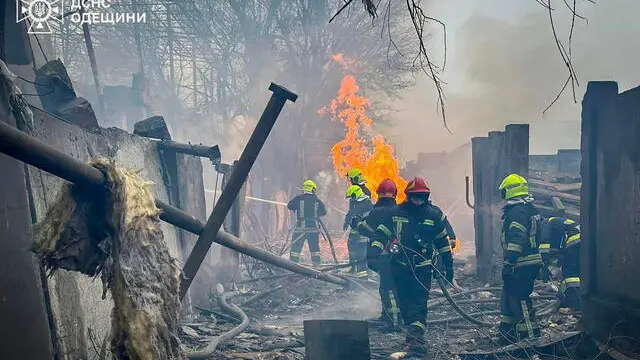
[(115, 233), (278, 304), (556, 194)]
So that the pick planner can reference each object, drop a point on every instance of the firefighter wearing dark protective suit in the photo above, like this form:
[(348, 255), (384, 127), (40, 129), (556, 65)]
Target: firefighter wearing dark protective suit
[(308, 208), (359, 207), (560, 250), (411, 234), (386, 204), (522, 261)]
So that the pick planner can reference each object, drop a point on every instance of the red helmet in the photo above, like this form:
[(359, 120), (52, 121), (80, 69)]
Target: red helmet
[(417, 185), (387, 186)]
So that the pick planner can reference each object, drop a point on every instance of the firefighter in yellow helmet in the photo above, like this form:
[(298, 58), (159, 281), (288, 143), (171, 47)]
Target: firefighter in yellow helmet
[(359, 207), (356, 178), (522, 261), (560, 250), (308, 208)]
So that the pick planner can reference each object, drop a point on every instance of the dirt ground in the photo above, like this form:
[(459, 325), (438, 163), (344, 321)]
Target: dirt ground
[(276, 329)]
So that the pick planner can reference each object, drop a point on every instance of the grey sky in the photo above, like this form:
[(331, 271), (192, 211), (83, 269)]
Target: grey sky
[(503, 67)]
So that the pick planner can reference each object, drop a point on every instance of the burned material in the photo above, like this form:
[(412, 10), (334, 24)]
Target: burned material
[(116, 234)]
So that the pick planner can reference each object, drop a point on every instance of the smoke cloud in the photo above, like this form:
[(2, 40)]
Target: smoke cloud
[(504, 67)]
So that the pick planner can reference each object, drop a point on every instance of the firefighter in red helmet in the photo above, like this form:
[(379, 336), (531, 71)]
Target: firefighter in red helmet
[(386, 204), (411, 234)]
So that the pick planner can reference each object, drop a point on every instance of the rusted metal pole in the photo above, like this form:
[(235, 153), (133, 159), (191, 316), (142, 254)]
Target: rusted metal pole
[(466, 181), (34, 152), (211, 152), (236, 181)]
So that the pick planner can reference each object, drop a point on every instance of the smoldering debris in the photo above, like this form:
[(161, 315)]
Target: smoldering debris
[(116, 234), (276, 330)]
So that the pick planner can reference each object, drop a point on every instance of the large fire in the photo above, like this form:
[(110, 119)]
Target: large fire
[(361, 147)]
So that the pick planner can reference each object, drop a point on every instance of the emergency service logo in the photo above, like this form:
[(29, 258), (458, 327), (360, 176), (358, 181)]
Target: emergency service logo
[(41, 14)]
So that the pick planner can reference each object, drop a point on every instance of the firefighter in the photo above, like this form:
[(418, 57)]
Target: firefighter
[(308, 208), (560, 250), (356, 178), (359, 207), (411, 234), (386, 204), (522, 261)]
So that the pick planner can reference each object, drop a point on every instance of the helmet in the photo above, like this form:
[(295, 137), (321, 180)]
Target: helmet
[(354, 191), (513, 185), (309, 186), (354, 173), (387, 186), (416, 186)]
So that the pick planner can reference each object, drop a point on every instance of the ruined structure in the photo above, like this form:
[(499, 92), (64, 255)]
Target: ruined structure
[(494, 157), (609, 212)]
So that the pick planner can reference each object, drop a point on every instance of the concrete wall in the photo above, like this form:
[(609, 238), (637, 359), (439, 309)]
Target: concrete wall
[(24, 326), (494, 157), (81, 318), (610, 211)]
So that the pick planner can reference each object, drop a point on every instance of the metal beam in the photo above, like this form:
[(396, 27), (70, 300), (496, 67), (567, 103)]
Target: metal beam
[(236, 180), (210, 152)]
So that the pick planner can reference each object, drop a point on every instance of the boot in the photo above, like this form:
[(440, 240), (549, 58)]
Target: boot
[(414, 342), (524, 335), (571, 299), (506, 335)]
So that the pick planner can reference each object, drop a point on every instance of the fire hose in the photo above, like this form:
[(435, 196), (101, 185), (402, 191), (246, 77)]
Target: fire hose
[(329, 240), (457, 308), (208, 350)]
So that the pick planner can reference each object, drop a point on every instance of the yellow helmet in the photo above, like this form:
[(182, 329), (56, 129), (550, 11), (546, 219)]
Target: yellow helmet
[(354, 173), (513, 185), (309, 186), (354, 191)]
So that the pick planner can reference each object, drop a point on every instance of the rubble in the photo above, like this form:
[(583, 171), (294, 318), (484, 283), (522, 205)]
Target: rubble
[(276, 327)]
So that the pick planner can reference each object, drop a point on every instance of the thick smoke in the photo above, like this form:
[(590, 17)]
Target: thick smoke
[(504, 69)]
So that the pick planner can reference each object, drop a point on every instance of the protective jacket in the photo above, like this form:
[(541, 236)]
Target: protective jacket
[(520, 239), (560, 250), (416, 232), (559, 234), (357, 209), (411, 234), (366, 226), (520, 235), (308, 208)]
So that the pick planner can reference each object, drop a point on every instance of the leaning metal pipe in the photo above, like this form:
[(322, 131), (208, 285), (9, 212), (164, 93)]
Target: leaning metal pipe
[(32, 151), (237, 179)]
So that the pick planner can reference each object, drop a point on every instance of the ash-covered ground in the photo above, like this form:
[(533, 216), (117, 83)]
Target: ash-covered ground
[(276, 329)]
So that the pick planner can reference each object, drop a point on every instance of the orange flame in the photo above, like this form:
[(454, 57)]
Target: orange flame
[(360, 148)]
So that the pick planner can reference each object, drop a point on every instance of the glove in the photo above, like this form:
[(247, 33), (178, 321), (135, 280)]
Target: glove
[(345, 226), (452, 242), (507, 269)]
